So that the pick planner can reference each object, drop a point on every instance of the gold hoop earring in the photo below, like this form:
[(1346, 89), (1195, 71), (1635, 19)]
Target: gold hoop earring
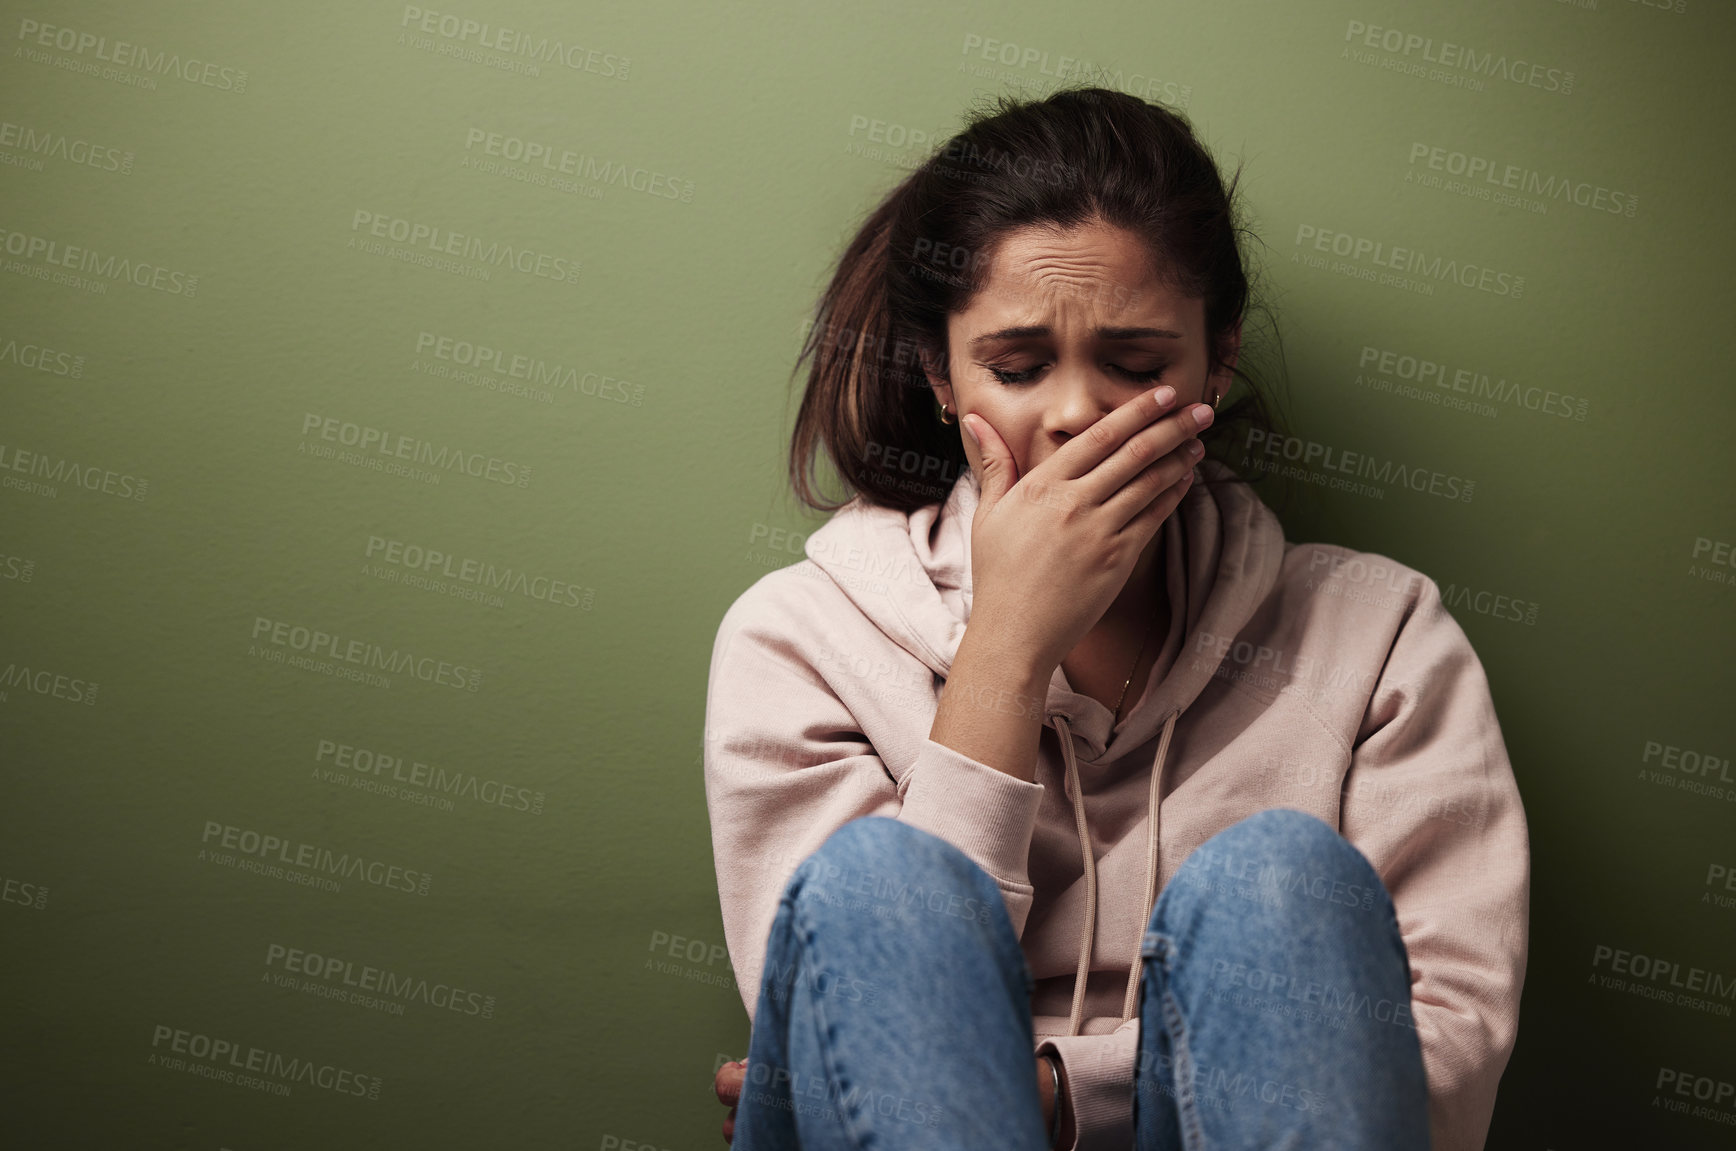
[(943, 414)]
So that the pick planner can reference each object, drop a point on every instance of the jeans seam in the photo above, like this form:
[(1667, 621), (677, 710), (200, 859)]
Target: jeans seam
[(774, 1012), (1186, 1105), (1140, 1069), (809, 940)]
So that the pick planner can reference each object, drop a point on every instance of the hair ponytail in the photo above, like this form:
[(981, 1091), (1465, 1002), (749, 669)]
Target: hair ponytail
[(863, 373)]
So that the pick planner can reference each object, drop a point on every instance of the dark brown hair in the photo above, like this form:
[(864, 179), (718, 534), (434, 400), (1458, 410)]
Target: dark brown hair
[(1076, 155)]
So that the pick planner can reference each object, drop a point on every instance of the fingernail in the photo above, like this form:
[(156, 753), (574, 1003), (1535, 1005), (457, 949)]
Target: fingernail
[(1202, 414), (1165, 396), (965, 423)]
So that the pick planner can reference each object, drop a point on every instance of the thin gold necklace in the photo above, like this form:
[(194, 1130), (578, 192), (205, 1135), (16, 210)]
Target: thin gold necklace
[(1116, 710)]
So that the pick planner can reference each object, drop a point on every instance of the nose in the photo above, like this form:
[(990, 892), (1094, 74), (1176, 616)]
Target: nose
[(1083, 394)]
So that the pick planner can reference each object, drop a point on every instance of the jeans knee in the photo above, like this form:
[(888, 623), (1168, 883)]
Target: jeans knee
[(1283, 828), (1290, 851), (865, 853)]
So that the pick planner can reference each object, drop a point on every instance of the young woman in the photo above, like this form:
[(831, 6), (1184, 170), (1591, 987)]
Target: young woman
[(1055, 657)]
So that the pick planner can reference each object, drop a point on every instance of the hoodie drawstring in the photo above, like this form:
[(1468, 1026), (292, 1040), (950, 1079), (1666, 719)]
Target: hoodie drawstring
[(1089, 932)]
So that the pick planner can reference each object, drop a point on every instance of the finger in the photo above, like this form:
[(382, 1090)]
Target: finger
[(1150, 446), (1146, 522), (1085, 451), (1157, 478), (729, 1126)]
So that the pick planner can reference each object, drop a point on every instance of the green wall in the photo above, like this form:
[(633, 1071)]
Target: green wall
[(203, 300)]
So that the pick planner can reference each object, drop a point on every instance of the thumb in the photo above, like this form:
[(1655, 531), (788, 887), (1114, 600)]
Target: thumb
[(999, 472)]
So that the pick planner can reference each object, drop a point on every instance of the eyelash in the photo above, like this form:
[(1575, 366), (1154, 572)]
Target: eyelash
[(1010, 377)]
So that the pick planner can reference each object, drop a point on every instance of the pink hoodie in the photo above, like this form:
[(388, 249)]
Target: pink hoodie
[(1306, 676)]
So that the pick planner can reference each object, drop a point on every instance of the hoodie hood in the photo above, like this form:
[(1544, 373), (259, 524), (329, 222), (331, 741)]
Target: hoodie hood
[(910, 573)]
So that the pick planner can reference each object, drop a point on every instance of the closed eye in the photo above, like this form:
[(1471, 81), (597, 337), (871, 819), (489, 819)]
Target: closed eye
[(1029, 375)]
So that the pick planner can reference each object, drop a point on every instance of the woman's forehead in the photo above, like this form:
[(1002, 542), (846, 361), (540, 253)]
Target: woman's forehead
[(1064, 298), (1092, 273)]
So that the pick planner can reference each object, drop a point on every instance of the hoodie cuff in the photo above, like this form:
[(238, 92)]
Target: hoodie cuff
[(1099, 1070), (984, 812)]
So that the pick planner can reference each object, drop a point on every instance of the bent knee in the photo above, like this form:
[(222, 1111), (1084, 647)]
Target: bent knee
[(1283, 827), (1290, 847), (871, 849)]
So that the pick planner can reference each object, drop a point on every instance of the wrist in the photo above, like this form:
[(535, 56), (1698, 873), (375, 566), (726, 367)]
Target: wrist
[(993, 660), (1056, 1097)]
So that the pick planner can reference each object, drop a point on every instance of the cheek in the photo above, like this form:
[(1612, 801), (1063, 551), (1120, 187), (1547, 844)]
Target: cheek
[(1017, 427)]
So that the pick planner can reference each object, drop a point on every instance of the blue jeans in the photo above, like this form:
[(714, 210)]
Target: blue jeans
[(1274, 1002)]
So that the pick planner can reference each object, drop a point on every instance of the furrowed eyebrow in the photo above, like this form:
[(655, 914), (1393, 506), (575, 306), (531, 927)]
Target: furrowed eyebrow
[(1030, 331)]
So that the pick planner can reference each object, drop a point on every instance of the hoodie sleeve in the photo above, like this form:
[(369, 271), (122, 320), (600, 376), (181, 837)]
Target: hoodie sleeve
[(1431, 800), (787, 764), (1099, 1071)]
